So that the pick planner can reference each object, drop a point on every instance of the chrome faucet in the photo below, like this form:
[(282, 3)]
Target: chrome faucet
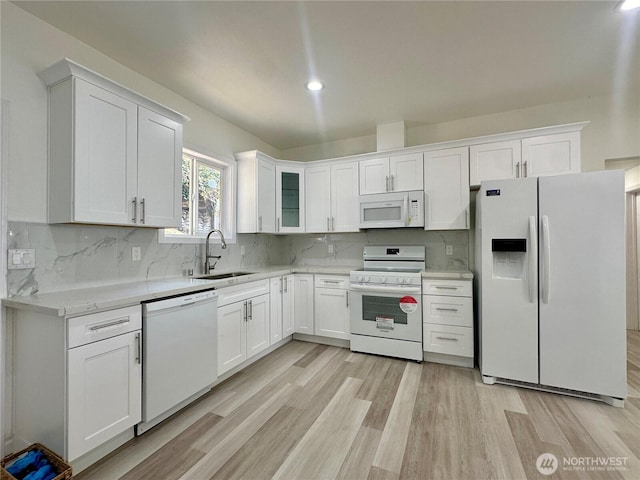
[(207, 257)]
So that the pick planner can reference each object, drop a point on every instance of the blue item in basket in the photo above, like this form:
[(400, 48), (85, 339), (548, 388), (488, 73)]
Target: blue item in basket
[(31, 458), (43, 473), (32, 466)]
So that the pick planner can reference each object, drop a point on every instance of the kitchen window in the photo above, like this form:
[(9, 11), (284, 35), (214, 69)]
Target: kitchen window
[(206, 198)]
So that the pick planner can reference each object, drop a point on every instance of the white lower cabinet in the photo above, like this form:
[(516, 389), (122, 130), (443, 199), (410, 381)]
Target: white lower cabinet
[(104, 391), (331, 305), (288, 300), (281, 307), (276, 290), (243, 323), (303, 303), (82, 386), (448, 321), (232, 336)]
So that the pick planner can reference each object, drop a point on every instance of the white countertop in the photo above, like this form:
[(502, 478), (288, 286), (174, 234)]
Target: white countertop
[(87, 300)]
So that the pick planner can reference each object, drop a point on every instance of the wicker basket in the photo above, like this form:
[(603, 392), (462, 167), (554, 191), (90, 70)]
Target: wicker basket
[(60, 466)]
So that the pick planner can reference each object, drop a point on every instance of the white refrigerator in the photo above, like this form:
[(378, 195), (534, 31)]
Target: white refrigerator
[(551, 283)]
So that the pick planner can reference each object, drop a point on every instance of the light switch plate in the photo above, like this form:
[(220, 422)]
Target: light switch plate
[(448, 250), (136, 254), (21, 258)]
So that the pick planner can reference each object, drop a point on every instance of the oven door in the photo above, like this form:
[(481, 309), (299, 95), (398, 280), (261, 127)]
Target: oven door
[(389, 312)]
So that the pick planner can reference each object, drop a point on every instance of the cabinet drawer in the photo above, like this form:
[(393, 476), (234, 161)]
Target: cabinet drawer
[(456, 288), (237, 293), (331, 281), (448, 340), (98, 326), (443, 310)]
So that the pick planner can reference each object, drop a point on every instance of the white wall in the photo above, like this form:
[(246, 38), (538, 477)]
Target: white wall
[(4, 141), (613, 131), (29, 45)]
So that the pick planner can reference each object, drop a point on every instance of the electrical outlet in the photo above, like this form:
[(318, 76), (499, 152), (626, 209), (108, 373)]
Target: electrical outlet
[(242, 250), (21, 258), (330, 248), (448, 250), (136, 254)]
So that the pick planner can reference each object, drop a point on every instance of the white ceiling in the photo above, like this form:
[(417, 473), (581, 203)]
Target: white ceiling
[(422, 62)]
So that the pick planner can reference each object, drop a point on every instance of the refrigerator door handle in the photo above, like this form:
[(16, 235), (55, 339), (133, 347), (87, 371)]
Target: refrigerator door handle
[(533, 261), (546, 260)]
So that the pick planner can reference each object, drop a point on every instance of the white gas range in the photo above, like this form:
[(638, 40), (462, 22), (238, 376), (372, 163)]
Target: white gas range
[(386, 308)]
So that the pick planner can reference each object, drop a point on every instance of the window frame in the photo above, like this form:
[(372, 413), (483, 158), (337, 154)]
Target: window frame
[(228, 199)]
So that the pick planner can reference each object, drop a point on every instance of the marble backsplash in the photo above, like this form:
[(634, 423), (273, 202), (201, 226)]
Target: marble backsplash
[(79, 256), (309, 249)]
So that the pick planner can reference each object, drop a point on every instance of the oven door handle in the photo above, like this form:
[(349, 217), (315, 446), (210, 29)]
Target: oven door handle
[(384, 289)]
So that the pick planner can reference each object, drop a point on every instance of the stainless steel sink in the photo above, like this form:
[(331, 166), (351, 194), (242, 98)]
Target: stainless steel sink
[(220, 276)]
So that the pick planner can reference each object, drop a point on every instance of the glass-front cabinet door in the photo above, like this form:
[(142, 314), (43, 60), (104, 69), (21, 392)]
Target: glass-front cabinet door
[(289, 199)]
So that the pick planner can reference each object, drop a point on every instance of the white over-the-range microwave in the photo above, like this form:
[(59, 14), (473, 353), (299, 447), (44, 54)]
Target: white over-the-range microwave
[(392, 210)]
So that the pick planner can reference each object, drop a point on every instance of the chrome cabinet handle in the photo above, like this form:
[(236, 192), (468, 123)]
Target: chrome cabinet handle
[(524, 168), (113, 323), (138, 349), (280, 284), (448, 338), (244, 311), (440, 287), (135, 209), (386, 184), (142, 206), (331, 281), (278, 226), (250, 310), (446, 309), (286, 283), (260, 223), (518, 170), (466, 218), (392, 187), (328, 225), (347, 292), (333, 224)]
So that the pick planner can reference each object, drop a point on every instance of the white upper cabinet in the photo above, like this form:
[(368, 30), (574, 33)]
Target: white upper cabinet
[(446, 186), (318, 199), (256, 193), (374, 176), (322, 196), (344, 197), (332, 198), (100, 162), (494, 161), (159, 174), (398, 173), (114, 156), (552, 154), (289, 199), (405, 172)]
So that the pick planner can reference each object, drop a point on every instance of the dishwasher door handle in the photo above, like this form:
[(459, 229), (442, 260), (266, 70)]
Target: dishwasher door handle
[(189, 300)]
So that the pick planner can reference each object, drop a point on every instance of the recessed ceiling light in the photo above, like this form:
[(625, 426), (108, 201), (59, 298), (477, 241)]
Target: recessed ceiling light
[(627, 5), (315, 85)]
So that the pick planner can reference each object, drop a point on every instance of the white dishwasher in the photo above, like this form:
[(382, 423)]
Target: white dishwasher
[(179, 358)]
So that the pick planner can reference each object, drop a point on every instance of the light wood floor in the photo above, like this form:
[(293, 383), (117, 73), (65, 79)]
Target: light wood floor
[(312, 411)]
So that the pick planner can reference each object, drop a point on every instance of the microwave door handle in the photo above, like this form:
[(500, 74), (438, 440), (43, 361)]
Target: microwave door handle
[(406, 209)]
